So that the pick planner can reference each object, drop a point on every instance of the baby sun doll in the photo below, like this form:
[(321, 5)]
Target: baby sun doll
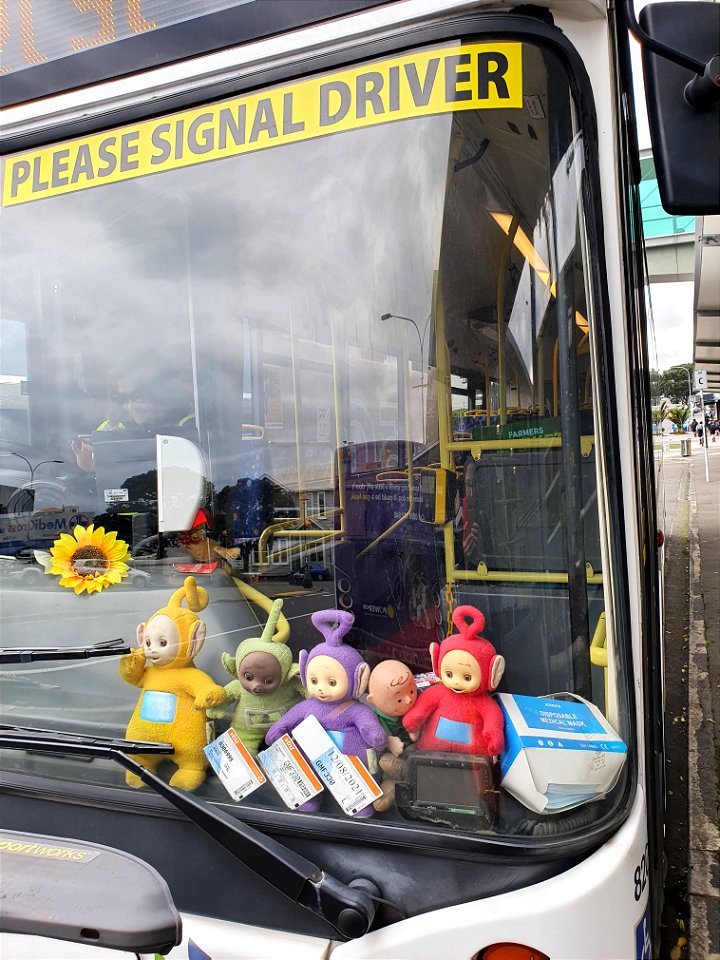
[(392, 691), (202, 548), (267, 684), (458, 714), (175, 694), (335, 676)]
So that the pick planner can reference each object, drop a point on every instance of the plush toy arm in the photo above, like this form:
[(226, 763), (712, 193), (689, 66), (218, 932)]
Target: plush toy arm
[(199, 685), (295, 685), (213, 697), (132, 667), (371, 731), (232, 693), (286, 723), (424, 706), (493, 726)]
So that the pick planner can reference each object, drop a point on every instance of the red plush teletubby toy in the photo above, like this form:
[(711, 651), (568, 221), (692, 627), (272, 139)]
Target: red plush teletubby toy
[(458, 714)]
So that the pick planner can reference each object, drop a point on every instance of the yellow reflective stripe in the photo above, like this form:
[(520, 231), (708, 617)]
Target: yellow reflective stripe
[(107, 425)]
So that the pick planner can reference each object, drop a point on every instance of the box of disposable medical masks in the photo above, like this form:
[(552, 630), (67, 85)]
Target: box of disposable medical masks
[(558, 753)]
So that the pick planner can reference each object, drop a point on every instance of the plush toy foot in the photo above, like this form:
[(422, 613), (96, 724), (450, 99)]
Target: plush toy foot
[(132, 780), (187, 779), (310, 806), (387, 799), (365, 812), (393, 766)]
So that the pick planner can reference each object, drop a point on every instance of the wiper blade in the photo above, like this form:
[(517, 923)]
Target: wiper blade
[(348, 908), (13, 737), (106, 648)]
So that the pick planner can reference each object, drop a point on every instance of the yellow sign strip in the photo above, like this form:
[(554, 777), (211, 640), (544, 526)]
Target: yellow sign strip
[(423, 83)]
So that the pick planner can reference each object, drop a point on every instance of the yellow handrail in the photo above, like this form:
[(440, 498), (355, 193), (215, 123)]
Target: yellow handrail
[(285, 528), (259, 431), (598, 651), (476, 447), (282, 628), (523, 576)]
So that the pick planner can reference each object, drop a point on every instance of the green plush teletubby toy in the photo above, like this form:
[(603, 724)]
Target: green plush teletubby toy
[(267, 684)]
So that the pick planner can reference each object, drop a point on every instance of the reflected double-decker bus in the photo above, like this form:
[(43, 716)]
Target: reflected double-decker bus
[(388, 570)]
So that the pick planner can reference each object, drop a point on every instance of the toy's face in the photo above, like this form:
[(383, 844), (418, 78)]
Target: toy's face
[(160, 640), (392, 688), (326, 679), (260, 673), (460, 671), (196, 535)]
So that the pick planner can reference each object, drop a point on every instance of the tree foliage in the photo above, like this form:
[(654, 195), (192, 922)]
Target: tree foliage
[(678, 415), (673, 382)]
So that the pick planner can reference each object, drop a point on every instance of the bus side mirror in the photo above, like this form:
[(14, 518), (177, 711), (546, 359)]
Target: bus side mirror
[(437, 494), (685, 138)]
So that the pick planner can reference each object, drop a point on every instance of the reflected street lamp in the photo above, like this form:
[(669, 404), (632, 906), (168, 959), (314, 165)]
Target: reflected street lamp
[(396, 316), (32, 470)]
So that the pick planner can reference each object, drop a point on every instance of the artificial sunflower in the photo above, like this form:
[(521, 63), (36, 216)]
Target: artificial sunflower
[(89, 560)]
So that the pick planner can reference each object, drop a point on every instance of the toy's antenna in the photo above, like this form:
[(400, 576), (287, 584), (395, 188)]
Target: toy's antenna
[(272, 620)]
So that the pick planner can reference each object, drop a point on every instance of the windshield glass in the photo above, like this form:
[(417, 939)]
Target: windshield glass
[(353, 372)]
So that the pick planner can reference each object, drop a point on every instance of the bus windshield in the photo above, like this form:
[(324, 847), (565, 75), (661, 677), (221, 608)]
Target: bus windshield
[(356, 371)]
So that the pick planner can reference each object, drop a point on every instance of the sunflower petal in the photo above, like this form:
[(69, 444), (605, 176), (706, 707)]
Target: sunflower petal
[(81, 534), (117, 552), (64, 547), (97, 537)]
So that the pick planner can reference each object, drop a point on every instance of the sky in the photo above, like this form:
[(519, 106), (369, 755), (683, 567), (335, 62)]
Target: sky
[(672, 303)]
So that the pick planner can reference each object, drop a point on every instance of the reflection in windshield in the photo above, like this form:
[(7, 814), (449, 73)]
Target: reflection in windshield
[(332, 372)]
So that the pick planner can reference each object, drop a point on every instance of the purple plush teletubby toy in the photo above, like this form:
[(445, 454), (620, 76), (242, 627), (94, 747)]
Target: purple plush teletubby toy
[(334, 676)]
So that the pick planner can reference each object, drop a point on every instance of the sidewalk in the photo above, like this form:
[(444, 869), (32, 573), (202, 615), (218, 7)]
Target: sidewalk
[(703, 885)]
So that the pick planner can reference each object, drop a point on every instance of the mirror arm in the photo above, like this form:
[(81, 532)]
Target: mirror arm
[(704, 91), (655, 46)]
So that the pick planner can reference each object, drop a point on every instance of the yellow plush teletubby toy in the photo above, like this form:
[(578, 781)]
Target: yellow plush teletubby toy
[(175, 694)]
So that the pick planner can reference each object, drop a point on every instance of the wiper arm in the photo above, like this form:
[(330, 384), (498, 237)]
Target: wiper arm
[(106, 648), (348, 908)]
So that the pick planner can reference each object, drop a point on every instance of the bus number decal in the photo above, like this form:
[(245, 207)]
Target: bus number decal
[(641, 874)]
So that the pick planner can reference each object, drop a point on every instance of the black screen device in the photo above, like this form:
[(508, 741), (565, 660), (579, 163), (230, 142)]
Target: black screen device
[(461, 790)]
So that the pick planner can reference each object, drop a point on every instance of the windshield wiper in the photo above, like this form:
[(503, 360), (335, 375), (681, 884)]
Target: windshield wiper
[(348, 908), (106, 648), (13, 737)]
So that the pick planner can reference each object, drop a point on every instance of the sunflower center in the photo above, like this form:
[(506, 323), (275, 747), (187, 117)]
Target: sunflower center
[(89, 561)]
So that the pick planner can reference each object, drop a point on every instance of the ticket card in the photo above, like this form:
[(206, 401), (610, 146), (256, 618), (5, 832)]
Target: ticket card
[(289, 772), (346, 777), (234, 765)]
